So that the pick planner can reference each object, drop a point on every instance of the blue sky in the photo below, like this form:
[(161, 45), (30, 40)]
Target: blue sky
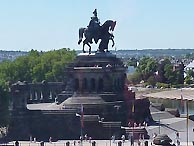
[(53, 24)]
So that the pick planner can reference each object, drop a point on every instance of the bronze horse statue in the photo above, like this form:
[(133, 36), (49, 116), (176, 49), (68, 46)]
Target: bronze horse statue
[(101, 33)]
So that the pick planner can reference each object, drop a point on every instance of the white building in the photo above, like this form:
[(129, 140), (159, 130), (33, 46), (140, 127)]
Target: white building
[(190, 66)]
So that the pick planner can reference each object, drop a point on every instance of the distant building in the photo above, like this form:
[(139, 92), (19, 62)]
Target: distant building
[(190, 66)]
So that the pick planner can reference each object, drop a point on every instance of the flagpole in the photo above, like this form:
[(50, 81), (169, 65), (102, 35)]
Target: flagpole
[(187, 122), (81, 120), (133, 110), (187, 116)]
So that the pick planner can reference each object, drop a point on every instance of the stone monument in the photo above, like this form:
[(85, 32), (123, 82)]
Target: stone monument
[(94, 100), (97, 32)]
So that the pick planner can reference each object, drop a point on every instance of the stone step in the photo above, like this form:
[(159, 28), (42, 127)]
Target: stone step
[(61, 112)]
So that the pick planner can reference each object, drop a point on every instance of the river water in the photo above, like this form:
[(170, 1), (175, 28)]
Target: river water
[(176, 104)]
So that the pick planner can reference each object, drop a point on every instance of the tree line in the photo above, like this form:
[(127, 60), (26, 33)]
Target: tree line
[(34, 67), (160, 73)]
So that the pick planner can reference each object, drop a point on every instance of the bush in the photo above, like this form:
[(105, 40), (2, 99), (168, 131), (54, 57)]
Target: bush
[(188, 80), (178, 86), (162, 85), (135, 78), (151, 81)]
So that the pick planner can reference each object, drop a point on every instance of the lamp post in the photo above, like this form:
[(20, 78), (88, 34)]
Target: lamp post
[(159, 124)]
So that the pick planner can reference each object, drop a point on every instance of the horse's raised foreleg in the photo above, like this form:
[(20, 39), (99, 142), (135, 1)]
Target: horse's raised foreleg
[(113, 42), (111, 37)]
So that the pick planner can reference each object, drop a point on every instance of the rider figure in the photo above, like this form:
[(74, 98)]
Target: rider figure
[(93, 26)]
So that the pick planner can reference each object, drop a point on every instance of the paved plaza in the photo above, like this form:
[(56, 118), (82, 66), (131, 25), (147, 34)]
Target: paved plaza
[(170, 125)]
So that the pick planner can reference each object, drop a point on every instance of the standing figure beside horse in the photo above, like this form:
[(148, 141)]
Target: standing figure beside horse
[(96, 31)]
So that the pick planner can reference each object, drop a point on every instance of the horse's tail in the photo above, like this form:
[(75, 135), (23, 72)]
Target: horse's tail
[(81, 33)]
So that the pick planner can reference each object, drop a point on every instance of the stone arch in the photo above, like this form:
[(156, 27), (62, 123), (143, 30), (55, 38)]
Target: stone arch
[(100, 84), (114, 84), (93, 84), (118, 83), (31, 96), (85, 84), (76, 84)]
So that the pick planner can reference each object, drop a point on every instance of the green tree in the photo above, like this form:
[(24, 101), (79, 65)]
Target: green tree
[(132, 62), (189, 76), (188, 80), (7, 73), (135, 78), (22, 69), (147, 67), (169, 73), (151, 81), (161, 70), (34, 67), (190, 73)]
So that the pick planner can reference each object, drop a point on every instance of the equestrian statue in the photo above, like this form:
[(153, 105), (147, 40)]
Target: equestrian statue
[(96, 32)]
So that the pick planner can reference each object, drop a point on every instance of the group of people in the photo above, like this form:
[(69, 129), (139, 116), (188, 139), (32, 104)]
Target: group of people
[(75, 143), (86, 138), (144, 124), (32, 139), (130, 139)]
